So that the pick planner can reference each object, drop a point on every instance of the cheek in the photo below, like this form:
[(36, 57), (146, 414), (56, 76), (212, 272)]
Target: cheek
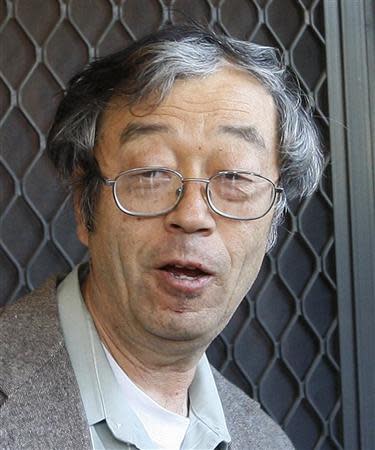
[(104, 241), (250, 240), (248, 252)]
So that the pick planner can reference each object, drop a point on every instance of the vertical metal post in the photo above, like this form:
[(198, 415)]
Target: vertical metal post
[(348, 28)]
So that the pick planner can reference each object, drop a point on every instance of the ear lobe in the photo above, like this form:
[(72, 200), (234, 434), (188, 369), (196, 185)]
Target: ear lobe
[(81, 230)]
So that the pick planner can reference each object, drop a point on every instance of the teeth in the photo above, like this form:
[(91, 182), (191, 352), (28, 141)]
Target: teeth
[(185, 267), (184, 271), (184, 277)]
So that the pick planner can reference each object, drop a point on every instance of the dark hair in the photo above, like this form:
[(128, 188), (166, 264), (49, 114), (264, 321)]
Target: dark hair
[(150, 67)]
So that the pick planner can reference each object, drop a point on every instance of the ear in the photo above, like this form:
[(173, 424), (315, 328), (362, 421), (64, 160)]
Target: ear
[(82, 231)]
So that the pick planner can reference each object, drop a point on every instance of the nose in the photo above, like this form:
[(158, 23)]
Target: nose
[(192, 214)]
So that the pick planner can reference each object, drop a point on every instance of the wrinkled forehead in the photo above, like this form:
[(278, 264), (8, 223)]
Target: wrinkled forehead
[(229, 94)]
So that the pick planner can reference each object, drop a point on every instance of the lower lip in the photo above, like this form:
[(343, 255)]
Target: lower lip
[(187, 286)]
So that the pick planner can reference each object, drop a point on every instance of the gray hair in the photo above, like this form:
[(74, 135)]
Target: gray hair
[(148, 69)]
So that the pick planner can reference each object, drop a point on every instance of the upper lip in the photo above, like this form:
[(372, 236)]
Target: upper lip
[(188, 264)]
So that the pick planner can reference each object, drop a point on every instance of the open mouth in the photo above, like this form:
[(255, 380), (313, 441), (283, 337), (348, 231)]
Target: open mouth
[(184, 272), (189, 278)]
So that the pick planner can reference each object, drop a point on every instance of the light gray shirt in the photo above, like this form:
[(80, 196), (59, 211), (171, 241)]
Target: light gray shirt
[(113, 424)]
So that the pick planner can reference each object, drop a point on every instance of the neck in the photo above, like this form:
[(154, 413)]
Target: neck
[(164, 371)]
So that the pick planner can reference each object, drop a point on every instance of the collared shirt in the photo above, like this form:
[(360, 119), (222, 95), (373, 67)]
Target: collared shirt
[(113, 424), (166, 428)]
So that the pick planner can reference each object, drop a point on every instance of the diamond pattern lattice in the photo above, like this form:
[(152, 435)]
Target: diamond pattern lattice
[(282, 345)]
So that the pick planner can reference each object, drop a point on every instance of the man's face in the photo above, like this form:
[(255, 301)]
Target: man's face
[(182, 275)]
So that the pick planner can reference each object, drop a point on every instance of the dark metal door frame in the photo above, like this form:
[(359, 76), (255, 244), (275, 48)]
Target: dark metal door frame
[(350, 66)]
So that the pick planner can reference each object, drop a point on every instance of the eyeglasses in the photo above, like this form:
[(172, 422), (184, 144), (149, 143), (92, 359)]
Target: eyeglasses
[(154, 191)]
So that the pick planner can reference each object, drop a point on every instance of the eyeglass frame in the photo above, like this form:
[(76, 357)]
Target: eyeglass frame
[(112, 183)]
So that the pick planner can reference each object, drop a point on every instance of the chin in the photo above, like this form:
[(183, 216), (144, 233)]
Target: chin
[(193, 329)]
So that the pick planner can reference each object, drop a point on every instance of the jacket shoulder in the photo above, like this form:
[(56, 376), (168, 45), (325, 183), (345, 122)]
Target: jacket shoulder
[(29, 335), (40, 403), (249, 426)]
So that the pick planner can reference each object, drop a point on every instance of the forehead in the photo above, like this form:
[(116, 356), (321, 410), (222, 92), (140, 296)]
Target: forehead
[(220, 106)]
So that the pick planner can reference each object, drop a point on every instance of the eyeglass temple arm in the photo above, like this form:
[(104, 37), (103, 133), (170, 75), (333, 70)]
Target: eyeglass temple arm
[(107, 182)]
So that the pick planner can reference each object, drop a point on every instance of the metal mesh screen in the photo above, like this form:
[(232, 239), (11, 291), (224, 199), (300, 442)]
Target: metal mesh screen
[(281, 346)]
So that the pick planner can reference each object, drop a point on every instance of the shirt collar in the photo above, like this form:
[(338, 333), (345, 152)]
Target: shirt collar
[(101, 395), (205, 401), (77, 328), (100, 391)]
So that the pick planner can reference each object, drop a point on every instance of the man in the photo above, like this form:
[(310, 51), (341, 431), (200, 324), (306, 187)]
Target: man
[(181, 150)]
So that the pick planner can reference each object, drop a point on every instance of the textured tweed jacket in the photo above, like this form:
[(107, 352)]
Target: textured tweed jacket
[(40, 403)]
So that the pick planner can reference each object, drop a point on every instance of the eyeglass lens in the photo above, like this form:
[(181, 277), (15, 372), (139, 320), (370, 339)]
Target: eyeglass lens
[(147, 191)]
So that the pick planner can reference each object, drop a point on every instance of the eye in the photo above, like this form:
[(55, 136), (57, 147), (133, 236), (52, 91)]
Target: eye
[(236, 179), (231, 176), (154, 173), (153, 176), (151, 179), (231, 186)]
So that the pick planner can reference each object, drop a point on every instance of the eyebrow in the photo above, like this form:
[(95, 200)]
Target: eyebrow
[(135, 130), (249, 134)]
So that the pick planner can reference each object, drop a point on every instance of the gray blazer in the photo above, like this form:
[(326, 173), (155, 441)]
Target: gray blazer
[(40, 403)]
